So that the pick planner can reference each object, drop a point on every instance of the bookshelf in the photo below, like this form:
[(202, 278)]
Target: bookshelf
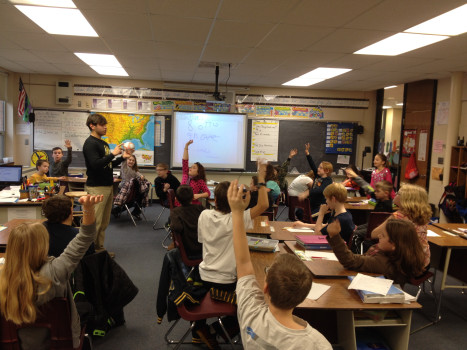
[(458, 168)]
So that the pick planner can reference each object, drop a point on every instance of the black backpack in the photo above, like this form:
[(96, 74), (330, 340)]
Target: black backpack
[(448, 201)]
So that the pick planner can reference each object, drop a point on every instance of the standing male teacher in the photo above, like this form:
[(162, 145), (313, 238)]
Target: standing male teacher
[(100, 163)]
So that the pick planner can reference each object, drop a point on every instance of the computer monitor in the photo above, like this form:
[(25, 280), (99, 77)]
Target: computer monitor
[(10, 175)]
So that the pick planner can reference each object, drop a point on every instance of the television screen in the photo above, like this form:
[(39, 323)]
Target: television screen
[(219, 139)]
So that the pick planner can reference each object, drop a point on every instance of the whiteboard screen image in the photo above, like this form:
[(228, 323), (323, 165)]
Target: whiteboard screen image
[(219, 139)]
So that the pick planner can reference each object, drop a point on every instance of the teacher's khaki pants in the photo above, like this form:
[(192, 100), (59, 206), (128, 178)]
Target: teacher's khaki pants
[(103, 210)]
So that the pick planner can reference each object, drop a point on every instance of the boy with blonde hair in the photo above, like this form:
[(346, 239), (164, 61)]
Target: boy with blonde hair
[(336, 196), (288, 282)]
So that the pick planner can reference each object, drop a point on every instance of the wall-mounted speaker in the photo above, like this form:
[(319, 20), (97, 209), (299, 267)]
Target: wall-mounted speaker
[(360, 129), (63, 93)]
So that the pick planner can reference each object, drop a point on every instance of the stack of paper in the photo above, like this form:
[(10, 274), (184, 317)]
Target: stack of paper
[(374, 290), (313, 241)]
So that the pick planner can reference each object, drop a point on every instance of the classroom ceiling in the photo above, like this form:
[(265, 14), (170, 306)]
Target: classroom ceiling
[(266, 42)]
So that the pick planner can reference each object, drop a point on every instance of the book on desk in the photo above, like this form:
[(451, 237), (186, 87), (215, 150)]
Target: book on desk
[(312, 242), (394, 295), (262, 244)]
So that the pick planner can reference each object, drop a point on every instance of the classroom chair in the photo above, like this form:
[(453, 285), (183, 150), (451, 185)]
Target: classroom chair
[(419, 282), (294, 203), (169, 205), (178, 241), (74, 197), (374, 220), (131, 200), (55, 316), (207, 308)]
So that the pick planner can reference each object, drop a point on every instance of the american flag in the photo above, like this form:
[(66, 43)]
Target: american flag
[(24, 106)]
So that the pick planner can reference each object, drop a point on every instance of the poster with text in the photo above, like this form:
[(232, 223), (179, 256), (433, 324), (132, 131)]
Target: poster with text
[(339, 138)]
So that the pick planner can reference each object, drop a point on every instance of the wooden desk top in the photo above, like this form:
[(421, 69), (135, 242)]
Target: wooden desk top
[(10, 226), (272, 229), (358, 206), (22, 204), (447, 240), (338, 297), (356, 199)]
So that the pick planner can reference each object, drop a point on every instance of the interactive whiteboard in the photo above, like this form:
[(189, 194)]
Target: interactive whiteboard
[(219, 139)]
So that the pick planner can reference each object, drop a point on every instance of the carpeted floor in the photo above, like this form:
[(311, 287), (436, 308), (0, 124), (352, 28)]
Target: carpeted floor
[(139, 251)]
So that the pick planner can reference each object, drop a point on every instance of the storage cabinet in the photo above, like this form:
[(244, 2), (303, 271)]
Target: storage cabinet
[(395, 330), (458, 171)]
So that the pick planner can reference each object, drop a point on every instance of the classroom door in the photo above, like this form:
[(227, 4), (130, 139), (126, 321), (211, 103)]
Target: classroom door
[(417, 129)]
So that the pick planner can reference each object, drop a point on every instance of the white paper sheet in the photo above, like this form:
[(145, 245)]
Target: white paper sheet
[(430, 233), (299, 229), (371, 284), (316, 254), (317, 290)]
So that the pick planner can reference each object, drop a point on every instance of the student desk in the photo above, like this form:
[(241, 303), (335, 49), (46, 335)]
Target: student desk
[(360, 211), (28, 209), (448, 242), (339, 312), (272, 229), (10, 225)]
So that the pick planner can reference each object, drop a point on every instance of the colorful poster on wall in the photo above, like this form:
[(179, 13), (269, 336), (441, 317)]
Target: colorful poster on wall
[(264, 111), (183, 105), (339, 138), (264, 140), (300, 112), (281, 111), (316, 113), (247, 109), (408, 146), (163, 106), (199, 106), (217, 107)]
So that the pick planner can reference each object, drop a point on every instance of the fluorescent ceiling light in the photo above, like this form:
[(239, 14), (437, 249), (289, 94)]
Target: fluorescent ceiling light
[(95, 59), (449, 23), (399, 104), (390, 87), (103, 64), (110, 70), (317, 75), (400, 43), (386, 107), (47, 3), (62, 21)]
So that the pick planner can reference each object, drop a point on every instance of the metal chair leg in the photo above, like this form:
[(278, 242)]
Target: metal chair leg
[(141, 211), (168, 235), (129, 213), (155, 222)]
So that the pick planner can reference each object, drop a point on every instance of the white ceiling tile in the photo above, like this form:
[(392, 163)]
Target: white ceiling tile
[(294, 37), (19, 55), (224, 54), (133, 48), (35, 41), (109, 24), (171, 28), (239, 33), (184, 8), (178, 50), (57, 57), (14, 21), (334, 13), (83, 44), (259, 11), (123, 6)]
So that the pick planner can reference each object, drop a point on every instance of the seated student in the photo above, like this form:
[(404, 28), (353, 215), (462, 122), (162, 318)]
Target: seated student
[(399, 258), (29, 278), (322, 180), (271, 183), (254, 194), (184, 220), (381, 192), (270, 325), (195, 176), (59, 213), (412, 201), (301, 183), (42, 167), (217, 270), (164, 181), (336, 196), (59, 166)]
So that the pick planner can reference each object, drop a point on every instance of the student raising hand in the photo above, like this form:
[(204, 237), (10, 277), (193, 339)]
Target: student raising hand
[(334, 228), (238, 200), (351, 173)]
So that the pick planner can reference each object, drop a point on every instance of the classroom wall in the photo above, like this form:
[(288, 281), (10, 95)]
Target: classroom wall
[(41, 91), (393, 125), (436, 188)]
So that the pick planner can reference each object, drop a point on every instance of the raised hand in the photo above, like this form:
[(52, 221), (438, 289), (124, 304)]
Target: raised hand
[(238, 200), (188, 143), (351, 173), (67, 143), (89, 201), (117, 150), (293, 152), (307, 148)]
